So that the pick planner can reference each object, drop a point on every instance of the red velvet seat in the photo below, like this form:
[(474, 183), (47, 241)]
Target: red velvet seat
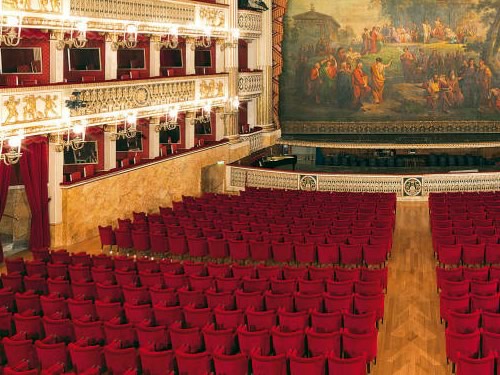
[(347, 366), (310, 365), (320, 343), (156, 362)]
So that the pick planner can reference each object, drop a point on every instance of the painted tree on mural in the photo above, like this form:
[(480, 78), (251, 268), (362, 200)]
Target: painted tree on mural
[(491, 16)]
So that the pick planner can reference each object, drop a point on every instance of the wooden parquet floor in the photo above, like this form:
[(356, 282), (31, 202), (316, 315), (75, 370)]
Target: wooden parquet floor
[(411, 339)]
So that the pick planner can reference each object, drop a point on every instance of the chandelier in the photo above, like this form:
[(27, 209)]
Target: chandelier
[(129, 128), (170, 122), (127, 40), (74, 138), (170, 40), (14, 153), (77, 36), (205, 113), (10, 34)]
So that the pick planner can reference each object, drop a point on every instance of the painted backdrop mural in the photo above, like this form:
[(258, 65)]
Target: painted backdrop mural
[(380, 60)]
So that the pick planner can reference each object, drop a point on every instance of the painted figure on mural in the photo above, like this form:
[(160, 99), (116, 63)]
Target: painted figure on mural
[(422, 39), (378, 79)]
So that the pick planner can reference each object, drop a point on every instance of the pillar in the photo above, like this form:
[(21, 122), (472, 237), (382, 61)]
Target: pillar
[(231, 57), (111, 63), (109, 148), (154, 57), (220, 66), (56, 177), (189, 129), (252, 54), (154, 137), (219, 124), (56, 61), (190, 56), (252, 112), (265, 63)]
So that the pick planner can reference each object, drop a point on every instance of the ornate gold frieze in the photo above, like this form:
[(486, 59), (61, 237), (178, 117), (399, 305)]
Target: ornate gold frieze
[(398, 127), (45, 6), (213, 17), (29, 107), (211, 88)]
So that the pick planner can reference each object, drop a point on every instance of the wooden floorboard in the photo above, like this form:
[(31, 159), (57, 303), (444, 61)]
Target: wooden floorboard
[(411, 339)]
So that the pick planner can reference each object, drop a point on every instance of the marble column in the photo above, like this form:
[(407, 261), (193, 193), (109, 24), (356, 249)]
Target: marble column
[(231, 57), (111, 64), (190, 56), (189, 129), (154, 57), (219, 124), (154, 137), (109, 148), (220, 63), (56, 177), (252, 54), (265, 63), (56, 61), (252, 112)]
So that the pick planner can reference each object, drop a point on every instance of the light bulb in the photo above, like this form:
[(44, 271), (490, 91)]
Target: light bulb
[(131, 29), (79, 129), (12, 21), (236, 33), (207, 30), (172, 113), (236, 103), (81, 26), (131, 119), (174, 31), (15, 142), (207, 108)]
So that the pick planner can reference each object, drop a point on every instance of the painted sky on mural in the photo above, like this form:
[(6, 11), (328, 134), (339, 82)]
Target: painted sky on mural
[(357, 14)]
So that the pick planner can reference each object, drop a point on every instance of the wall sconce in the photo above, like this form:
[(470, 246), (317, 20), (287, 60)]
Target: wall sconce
[(14, 153), (77, 36), (204, 41), (170, 40), (205, 113), (234, 37), (128, 40), (129, 128), (171, 120), (10, 33), (233, 104), (74, 139)]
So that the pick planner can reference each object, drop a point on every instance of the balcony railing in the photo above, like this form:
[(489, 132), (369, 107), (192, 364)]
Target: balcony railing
[(40, 109), (404, 186), (250, 84), (250, 23), (255, 140)]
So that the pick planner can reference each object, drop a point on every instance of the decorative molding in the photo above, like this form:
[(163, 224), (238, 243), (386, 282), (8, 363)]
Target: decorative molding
[(250, 23), (250, 84), (35, 6), (213, 17), (38, 110), (402, 185), (395, 146), (397, 127)]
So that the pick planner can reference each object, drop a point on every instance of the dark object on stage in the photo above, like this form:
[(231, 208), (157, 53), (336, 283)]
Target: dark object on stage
[(278, 161), (253, 5)]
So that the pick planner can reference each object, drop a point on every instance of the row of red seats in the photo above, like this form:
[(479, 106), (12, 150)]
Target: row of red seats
[(52, 359), (369, 250), (480, 347), (464, 232), (468, 254)]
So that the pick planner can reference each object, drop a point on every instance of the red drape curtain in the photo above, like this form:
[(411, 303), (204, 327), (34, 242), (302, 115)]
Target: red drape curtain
[(34, 169), (5, 172)]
